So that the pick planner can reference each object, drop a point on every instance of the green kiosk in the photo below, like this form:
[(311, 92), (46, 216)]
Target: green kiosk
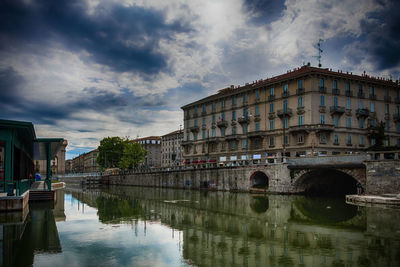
[(19, 148)]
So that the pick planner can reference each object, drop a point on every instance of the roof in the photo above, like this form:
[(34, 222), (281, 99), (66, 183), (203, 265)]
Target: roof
[(26, 128), (173, 133), (40, 147), (146, 138), (293, 74)]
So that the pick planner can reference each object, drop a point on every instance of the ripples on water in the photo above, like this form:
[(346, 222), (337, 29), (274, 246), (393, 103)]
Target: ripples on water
[(132, 226)]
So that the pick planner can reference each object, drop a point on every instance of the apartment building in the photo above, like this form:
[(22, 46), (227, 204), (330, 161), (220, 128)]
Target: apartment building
[(152, 144), (171, 154), (86, 163), (306, 111)]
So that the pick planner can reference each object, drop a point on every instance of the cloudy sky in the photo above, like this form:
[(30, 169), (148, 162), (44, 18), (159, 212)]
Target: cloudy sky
[(87, 69)]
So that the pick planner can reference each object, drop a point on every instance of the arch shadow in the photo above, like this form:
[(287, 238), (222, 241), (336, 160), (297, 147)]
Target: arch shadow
[(259, 180)]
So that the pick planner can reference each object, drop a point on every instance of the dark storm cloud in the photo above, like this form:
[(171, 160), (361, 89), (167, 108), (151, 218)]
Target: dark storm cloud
[(123, 38), (380, 40), (10, 83), (265, 11)]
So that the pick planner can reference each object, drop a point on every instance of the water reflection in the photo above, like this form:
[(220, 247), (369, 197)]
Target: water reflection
[(163, 227)]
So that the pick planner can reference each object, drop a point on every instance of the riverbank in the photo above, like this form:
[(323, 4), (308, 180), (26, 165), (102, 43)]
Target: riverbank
[(390, 200)]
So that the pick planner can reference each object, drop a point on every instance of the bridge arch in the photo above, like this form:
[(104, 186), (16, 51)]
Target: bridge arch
[(259, 179), (326, 181)]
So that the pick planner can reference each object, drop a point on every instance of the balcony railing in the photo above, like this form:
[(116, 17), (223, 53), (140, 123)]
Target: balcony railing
[(257, 117), (387, 98), (322, 89), (285, 112), (222, 124), (372, 96), (349, 93), (300, 91), (362, 112), (360, 95), (271, 97), (337, 110), (335, 91), (243, 120), (194, 128), (285, 94)]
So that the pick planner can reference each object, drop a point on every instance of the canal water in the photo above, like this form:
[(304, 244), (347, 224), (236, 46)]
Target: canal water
[(133, 226)]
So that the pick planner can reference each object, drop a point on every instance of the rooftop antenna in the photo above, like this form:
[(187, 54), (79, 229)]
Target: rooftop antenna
[(319, 53)]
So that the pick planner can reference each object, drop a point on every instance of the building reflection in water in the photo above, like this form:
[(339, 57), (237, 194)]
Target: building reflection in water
[(31, 232), (225, 229)]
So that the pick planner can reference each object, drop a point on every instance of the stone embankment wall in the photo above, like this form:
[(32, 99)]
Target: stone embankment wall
[(227, 178), (383, 176)]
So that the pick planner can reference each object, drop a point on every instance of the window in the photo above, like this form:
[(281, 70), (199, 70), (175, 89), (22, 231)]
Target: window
[(286, 140), (194, 136), (300, 102), (348, 122), (387, 126), (234, 100), (244, 128), (386, 92), (222, 103), (349, 139), (336, 120), (244, 143), (245, 98), (372, 106), (203, 109), (335, 101), (222, 131), (372, 123), (213, 118), (300, 138), (213, 106), (203, 134), (187, 137), (257, 111), (347, 87), (373, 141), (271, 125), (245, 113), (360, 104), (321, 82), (322, 101), (234, 115), (387, 142), (322, 118), (195, 123), (300, 120), (387, 108), (222, 116), (271, 107), (257, 94), (285, 87), (212, 132), (322, 138), (334, 84), (257, 126), (234, 130), (371, 90), (361, 122), (285, 105), (195, 112), (360, 88), (361, 140), (348, 103), (271, 141), (187, 113), (300, 83), (187, 124), (233, 145), (286, 122), (272, 91), (397, 110), (203, 121)]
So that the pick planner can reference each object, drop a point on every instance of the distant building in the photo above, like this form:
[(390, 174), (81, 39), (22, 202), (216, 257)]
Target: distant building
[(305, 112), (171, 154), (86, 162), (68, 166), (152, 144)]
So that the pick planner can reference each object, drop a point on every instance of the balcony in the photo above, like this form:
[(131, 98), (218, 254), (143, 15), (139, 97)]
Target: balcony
[(222, 124), (271, 115), (213, 125), (348, 111), (362, 112), (300, 110), (372, 96), (232, 137), (243, 120), (322, 109), (204, 127), (396, 117), (285, 112), (397, 100), (204, 113), (360, 95), (257, 117), (186, 143), (349, 93), (194, 129), (322, 89), (285, 94), (299, 129), (271, 97), (324, 128), (335, 91), (387, 98), (337, 110), (256, 134), (300, 91)]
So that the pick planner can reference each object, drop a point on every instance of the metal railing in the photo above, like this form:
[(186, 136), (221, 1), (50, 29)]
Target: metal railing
[(20, 186)]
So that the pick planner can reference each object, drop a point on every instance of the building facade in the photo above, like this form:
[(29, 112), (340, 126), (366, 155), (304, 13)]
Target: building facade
[(85, 163), (57, 164), (152, 144), (306, 112), (171, 154)]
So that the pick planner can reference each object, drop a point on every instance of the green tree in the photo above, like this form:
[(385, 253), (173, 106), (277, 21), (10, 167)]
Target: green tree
[(378, 133), (110, 152), (132, 156)]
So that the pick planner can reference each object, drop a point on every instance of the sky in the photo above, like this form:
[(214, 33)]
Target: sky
[(87, 69)]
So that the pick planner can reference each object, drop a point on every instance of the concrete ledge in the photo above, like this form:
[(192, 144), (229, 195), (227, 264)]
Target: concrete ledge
[(14, 203), (59, 185), (372, 199)]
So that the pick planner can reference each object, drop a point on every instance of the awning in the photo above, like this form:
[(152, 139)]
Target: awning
[(41, 145)]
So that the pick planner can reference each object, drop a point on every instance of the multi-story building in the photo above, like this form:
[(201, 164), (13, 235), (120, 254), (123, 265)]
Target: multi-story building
[(171, 154), (68, 166), (57, 164), (152, 144), (86, 162), (304, 112)]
